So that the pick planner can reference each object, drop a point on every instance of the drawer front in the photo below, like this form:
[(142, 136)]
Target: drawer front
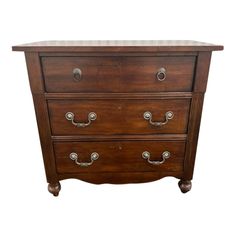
[(118, 116), (124, 156), (118, 74)]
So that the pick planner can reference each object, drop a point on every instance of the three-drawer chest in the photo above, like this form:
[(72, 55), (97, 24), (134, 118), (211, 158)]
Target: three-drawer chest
[(118, 111)]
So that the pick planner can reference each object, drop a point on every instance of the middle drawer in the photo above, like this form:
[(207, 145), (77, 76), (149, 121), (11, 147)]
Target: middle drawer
[(112, 116)]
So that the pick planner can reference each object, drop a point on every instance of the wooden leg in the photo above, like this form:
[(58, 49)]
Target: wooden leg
[(54, 188), (185, 185)]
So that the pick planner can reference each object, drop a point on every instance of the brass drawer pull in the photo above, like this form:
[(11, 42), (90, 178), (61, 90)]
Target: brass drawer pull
[(74, 157), (161, 74), (77, 73), (148, 116), (165, 155), (91, 116)]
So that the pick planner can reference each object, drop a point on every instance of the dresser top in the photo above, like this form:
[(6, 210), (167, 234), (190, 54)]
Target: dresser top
[(117, 46)]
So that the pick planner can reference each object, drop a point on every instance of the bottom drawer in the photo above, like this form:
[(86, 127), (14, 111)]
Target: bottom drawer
[(119, 156)]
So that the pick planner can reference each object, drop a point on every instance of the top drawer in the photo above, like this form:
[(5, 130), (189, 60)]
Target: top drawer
[(118, 74)]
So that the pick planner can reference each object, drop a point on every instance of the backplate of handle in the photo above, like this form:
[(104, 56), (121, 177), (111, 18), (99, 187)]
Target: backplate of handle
[(161, 74), (168, 116), (93, 157), (165, 155), (91, 117), (77, 73)]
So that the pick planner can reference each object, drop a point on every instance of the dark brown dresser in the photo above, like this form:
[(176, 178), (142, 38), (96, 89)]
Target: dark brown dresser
[(118, 111)]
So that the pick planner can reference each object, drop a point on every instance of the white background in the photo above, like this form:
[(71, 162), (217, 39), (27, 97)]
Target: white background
[(158, 208)]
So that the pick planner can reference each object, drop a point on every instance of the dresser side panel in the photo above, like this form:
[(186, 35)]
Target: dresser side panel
[(34, 72), (41, 110), (200, 84), (193, 132), (202, 70)]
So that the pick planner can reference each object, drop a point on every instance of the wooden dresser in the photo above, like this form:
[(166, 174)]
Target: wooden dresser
[(118, 111)]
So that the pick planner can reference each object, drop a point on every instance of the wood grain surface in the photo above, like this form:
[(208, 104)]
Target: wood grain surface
[(123, 156), (118, 46), (118, 116), (118, 74), (119, 83)]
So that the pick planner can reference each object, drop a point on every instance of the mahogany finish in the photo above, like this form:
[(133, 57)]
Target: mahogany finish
[(118, 116), (120, 177), (103, 46), (119, 81), (123, 156), (118, 74), (185, 185)]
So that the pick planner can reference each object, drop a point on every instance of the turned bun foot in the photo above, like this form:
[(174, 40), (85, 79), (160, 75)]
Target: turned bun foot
[(185, 185), (54, 188)]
